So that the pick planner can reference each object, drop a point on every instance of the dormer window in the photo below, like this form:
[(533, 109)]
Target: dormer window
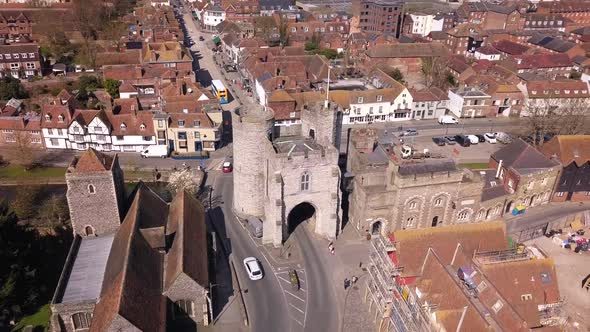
[(181, 123), (7, 56), (196, 123), (47, 117), (379, 98), (546, 92), (123, 126), (142, 127), (23, 55), (60, 118), (584, 91), (534, 92), (557, 92), (360, 100), (15, 55), (567, 92), (576, 91)]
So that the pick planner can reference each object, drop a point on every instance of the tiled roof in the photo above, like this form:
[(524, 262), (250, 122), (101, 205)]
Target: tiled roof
[(407, 51), (165, 52), (534, 61), (122, 72), (132, 124), (412, 245), (188, 252), (568, 149), (487, 50), (132, 286), (54, 111), (521, 156), (91, 161), (200, 118), (509, 47), (557, 89)]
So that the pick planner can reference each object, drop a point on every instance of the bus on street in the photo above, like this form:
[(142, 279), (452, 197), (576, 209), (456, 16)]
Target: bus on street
[(220, 91)]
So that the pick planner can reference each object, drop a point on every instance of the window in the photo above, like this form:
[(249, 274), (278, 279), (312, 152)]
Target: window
[(379, 98), (54, 142), (142, 127), (10, 139), (380, 109), (147, 138), (497, 306), (91, 189), (197, 135), (438, 202), (23, 55), (183, 308), (98, 129), (49, 131), (75, 129), (7, 56), (412, 205), (14, 66), (305, 177), (182, 144), (160, 123), (59, 132), (181, 123), (526, 297), (196, 123), (60, 118), (120, 137), (101, 138), (360, 100), (30, 65), (463, 215), (182, 135), (82, 320), (292, 114), (31, 55), (15, 55)]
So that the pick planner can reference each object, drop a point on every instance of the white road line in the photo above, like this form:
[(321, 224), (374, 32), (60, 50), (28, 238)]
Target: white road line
[(295, 296), (271, 267), (301, 311), (285, 280), (303, 289), (281, 272), (302, 280), (297, 321)]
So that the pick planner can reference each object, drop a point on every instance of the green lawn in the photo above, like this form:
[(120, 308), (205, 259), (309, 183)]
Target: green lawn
[(40, 318), (474, 165), (17, 171)]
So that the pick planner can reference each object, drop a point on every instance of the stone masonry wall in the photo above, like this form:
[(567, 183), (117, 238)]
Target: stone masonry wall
[(61, 315), (184, 288), (100, 209)]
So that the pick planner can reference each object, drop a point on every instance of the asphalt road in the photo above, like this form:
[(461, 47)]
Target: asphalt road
[(264, 299)]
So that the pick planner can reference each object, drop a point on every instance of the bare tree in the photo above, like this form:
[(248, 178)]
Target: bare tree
[(24, 152), (182, 180), (436, 73), (555, 116)]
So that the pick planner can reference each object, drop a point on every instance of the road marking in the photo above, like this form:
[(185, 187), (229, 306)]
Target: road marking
[(295, 296), (285, 280), (303, 280), (301, 311), (303, 289), (297, 321)]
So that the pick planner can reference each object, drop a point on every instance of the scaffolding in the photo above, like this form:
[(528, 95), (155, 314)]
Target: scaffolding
[(396, 304), (502, 256)]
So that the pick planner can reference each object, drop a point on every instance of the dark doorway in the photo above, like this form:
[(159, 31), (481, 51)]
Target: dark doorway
[(312, 133), (488, 213), (89, 231), (198, 146), (508, 206), (533, 199), (300, 213), (435, 221), (569, 196), (376, 228)]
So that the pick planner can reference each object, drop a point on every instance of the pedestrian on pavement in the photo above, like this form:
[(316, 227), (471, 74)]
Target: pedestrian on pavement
[(346, 283), (354, 279), (332, 251)]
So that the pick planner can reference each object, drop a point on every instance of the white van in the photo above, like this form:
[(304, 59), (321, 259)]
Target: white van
[(159, 151), (447, 119)]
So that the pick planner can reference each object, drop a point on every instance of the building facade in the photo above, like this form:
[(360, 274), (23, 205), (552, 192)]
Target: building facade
[(379, 15), (20, 60)]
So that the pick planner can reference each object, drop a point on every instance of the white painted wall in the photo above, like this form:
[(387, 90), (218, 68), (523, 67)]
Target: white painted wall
[(455, 104), (259, 89), (127, 95), (211, 19), (422, 24)]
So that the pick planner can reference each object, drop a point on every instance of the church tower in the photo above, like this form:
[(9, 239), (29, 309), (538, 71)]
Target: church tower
[(96, 193)]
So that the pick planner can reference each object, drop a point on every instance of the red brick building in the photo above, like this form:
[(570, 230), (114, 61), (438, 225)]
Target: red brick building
[(575, 10), (20, 60), (18, 129), (240, 10), (15, 25), (573, 152), (379, 15)]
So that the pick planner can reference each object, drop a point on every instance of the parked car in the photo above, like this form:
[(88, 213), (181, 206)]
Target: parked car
[(447, 119), (255, 227), (230, 68), (253, 268), (481, 138), (503, 137), (463, 140), (490, 138), (227, 167), (201, 38), (410, 132), (473, 139), (440, 141), (450, 140)]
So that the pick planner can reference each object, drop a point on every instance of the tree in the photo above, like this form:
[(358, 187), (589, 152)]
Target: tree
[(114, 32), (24, 203), (87, 84), (54, 208), (435, 73), (395, 73), (112, 87), (11, 87), (314, 43), (264, 27), (329, 53), (284, 31), (555, 116), (182, 180), (24, 152)]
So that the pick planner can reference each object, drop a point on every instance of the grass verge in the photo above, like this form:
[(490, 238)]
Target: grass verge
[(38, 320), (17, 171), (474, 165)]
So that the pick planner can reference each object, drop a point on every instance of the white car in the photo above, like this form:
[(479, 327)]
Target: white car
[(253, 268), (490, 138), (473, 139)]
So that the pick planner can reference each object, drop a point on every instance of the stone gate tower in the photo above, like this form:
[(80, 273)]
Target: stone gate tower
[(96, 193), (252, 130)]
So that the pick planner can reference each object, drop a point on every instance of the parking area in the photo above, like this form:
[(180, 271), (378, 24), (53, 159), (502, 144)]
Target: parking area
[(296, 298), (478, 153)]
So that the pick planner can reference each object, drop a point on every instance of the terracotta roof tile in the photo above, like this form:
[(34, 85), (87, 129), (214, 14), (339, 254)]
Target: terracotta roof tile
[(568, 149), (91, 161)]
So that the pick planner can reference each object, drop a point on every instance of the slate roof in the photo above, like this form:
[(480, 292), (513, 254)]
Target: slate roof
[(533, 61), (509, 47), (188, 252), (132, 286), (427, 167), (568, 149), (521, 156)]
